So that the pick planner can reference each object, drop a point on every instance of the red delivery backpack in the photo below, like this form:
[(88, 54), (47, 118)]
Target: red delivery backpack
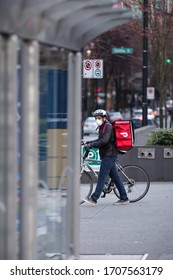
[(124, 134)]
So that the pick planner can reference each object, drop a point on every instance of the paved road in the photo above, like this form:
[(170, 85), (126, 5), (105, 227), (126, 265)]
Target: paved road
[(142, 229)]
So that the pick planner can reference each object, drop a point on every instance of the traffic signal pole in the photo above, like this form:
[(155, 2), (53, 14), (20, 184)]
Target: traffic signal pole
[(145, 62)]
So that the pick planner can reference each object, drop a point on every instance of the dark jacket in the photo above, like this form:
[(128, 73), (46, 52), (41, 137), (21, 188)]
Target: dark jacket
[(105, 141)]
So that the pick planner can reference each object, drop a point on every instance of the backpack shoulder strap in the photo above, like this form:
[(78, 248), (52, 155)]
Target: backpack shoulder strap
[(104, 127)]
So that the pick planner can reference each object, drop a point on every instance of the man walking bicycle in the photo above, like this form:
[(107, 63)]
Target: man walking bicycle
[(108, 154)]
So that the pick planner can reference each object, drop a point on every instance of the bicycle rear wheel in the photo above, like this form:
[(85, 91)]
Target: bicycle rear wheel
[(86, 186), (136, 182)]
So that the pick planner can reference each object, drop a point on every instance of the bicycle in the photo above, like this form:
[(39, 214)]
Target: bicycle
[(135, 179)]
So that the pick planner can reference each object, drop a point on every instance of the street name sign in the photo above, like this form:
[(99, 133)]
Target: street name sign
[(122, 50)]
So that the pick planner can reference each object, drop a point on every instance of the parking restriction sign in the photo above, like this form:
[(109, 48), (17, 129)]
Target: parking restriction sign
[(97, 63), (98, 69), (88, 65), (93, 68), (150, 92), (87, 68)]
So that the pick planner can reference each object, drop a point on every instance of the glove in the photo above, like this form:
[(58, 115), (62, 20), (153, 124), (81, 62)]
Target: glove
[(83, 142), (88, 146)]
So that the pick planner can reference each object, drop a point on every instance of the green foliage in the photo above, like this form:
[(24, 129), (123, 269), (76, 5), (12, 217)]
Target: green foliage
[(161, 137)]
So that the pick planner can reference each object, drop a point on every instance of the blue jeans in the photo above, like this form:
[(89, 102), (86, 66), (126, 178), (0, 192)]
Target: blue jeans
[(108, 167)]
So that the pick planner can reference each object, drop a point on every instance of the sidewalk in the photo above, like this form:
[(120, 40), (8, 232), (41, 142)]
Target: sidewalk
[(141, 230)]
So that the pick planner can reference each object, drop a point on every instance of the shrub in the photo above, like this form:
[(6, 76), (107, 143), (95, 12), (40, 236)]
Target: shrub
[(161, 137)]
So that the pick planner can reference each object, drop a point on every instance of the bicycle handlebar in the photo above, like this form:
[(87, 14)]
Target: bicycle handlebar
[(121, 152), (86, 153)]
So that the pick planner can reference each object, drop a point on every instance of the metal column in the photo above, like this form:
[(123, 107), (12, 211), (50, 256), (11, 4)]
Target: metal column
[(74, 137), (29, 148), (2, 151), (145, 62), (8, 131)]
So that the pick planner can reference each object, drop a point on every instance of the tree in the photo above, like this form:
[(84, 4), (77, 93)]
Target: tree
[(118, 68), (160, 35)]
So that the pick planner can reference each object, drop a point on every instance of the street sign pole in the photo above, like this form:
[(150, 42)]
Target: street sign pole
[(145, 61)]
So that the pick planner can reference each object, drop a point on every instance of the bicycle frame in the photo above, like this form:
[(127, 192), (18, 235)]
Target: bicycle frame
[(85, 165), (120, 168), (135, 179)]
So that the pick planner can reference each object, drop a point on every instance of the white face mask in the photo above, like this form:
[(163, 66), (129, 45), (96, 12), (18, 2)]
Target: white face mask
[(99, 122)]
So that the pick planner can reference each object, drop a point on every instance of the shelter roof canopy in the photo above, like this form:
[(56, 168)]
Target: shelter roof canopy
[(64, 23)]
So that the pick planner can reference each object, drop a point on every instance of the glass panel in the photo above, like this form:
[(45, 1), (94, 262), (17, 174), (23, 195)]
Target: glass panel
[(52, 153)]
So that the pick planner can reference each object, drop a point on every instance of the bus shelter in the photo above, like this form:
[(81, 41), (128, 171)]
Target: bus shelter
[(40, 120)]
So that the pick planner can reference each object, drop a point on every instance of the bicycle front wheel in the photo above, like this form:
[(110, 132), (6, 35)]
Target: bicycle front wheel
[(136, 182), (86, 186)]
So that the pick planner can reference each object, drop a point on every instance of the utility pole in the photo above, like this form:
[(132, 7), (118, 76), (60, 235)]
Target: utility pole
[(145, 62)]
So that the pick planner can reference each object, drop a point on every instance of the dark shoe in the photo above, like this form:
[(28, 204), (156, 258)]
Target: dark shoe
[(121, 202), (90, 201)]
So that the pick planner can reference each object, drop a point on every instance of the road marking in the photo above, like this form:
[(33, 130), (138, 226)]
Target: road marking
[(145, 256)]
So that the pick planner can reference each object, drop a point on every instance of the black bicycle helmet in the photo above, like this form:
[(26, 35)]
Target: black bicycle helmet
[(100, 112)]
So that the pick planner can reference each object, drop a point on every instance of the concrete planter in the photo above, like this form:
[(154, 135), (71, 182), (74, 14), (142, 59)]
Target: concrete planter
[(156, 160)]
